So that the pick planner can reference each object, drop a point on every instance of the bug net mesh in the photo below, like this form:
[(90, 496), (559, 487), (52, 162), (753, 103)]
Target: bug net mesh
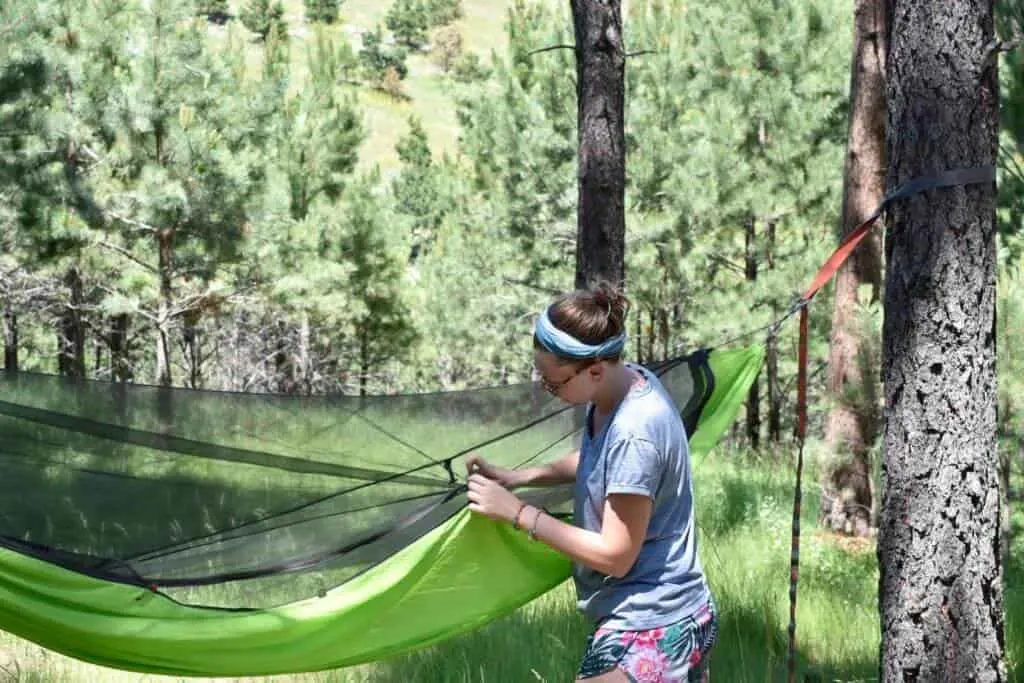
[(249, 501)]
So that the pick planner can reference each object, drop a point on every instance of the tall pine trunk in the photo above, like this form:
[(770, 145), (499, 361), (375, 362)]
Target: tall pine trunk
[(120, 365), (165, 267), (190, 337), (940, 590), (600, 93), (71, 328), (772, 353), (10, 339), (850, 429), (754, 395)]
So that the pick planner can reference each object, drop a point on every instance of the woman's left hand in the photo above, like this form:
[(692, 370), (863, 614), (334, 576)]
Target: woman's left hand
[(488, 497)]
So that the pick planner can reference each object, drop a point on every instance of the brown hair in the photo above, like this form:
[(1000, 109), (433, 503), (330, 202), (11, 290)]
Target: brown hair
[(592, 315)]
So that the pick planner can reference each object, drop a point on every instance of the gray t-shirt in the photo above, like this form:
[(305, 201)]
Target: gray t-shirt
[(642, 449)]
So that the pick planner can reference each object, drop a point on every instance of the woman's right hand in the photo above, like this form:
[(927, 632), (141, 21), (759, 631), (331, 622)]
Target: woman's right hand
[(475, 464)]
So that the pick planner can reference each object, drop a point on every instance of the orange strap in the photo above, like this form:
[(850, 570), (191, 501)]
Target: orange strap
[(959, 176)]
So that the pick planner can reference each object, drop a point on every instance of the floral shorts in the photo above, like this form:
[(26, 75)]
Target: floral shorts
[(673, 654)]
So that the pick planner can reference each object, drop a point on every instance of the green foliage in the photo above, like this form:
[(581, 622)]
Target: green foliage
[(409, 21), (322, 11), (1009, 331), (375, 58), (1010, 22), (217, 11), (421, 192), (378, 328), (263, 16), (738, 118), (443, 12), (520, 138), (319, 133), (469, 68)]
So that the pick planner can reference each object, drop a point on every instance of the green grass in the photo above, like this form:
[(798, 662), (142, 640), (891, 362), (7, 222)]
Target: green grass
[(745, 516)]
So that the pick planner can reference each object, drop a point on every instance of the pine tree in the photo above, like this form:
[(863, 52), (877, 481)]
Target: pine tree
[(216, 11), (261, 16), (25, 187), (520, 137), (420, 190), (169, 190), (375, 58), (442, 12), (320, 133), (409, 21), (322, 11)]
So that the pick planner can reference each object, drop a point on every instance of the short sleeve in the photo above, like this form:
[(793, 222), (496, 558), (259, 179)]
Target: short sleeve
[(632, 465)]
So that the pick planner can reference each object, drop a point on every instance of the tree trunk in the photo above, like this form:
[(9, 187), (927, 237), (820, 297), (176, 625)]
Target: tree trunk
[(754, 395), (119, 364), (772, 382), (284, 365), (940, 590), (772, 354), (847, 501), (305, 360), (600, 88), (193, 353), (364, 358), (10, 339), (71, 351), (165, 249)]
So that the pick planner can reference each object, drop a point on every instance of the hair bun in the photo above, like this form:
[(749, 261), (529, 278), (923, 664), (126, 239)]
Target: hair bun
[(611, 299)]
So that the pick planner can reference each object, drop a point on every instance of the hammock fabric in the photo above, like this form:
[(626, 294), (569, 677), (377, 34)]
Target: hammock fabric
[(222, 534)]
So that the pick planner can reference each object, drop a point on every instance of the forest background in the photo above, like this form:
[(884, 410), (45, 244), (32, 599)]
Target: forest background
[(313, 196)]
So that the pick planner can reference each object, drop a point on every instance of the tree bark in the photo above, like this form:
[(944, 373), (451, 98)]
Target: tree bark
[(754, 395), (772, 353), (71, 349), (165, 266), (600, 92), (10, 339), (120, 366), (193, 352), (847, 500), (940, 590)]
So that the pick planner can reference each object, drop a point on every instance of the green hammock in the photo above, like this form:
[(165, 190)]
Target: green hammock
[(459, 576)]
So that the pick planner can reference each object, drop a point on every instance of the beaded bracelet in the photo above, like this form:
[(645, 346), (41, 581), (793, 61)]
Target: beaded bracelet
[(515, 520), (533, 529)]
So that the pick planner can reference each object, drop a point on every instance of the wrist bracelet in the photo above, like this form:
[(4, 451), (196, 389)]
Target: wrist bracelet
[(515, 520), (533, 529)]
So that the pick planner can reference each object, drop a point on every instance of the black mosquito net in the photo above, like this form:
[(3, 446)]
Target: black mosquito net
[(249, 500)]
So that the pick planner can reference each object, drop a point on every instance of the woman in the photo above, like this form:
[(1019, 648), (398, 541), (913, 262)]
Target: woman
[(633, 542)]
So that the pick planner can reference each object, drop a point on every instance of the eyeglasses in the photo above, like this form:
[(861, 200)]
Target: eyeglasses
[(554, 387)]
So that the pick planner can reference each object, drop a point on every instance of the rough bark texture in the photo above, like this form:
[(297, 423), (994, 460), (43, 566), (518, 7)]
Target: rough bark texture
[(10, 340), (849, 432), (71, 348), (120, 364), (600, 92), (940, 590), (165, 268), (754, 395)]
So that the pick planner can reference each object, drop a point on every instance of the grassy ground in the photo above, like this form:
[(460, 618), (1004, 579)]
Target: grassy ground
[(744, 513)]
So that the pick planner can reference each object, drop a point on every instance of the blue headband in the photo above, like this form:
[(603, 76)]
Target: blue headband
[(567, 346)]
